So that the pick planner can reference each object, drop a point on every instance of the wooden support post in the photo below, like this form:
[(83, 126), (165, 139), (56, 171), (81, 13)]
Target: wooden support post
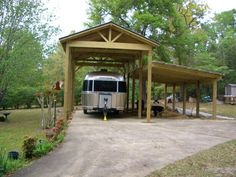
[(140, 87), (73, 85), (184, 98), (149, 85), (133, 88), (197, 98), (173, 101), (68, 83), (214, 98), (165, 95), (128, 74)]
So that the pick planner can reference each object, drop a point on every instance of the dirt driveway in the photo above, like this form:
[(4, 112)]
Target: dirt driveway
[(127, 147)]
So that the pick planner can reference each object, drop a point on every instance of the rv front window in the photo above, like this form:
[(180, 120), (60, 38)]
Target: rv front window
[(122, 86), (105, 86), (87, 85)]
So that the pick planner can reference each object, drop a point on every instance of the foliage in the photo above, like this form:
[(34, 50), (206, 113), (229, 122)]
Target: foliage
[(175, 24), (3, 161), (29, 146), (42, 148), (24, 33)]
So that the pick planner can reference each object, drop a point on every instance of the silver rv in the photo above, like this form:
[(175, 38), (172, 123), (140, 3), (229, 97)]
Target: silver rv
[(104, 89)]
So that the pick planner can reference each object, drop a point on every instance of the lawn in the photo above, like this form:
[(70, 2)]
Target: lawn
[(217, 161), (20, 123), (222, 109)]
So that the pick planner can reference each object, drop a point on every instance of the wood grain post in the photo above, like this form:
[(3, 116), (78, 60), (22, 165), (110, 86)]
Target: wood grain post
[(184, 98), (140, 87), (165, 95), (128, 74), (68, 84), (149, 85), (214, 98), (133, 91), (73, 85), (173, 101), (197, 98)]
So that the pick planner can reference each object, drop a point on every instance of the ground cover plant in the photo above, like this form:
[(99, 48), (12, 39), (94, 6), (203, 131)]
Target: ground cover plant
[(219, 160), (22, 132)]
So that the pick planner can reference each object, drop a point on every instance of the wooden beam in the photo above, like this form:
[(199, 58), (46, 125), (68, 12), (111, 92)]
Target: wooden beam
[(103, 60), (184, 98), (105, 39), (173, 101), (133, 86), (149, 86), (165, 95), (110, 51), (214, 98), (197, 98), (133, 92), (73, 85), (127, 107), (99, 64), (67, 86), (140, 87), (110, 34), (77, 68), (117, 37), (109, 45)]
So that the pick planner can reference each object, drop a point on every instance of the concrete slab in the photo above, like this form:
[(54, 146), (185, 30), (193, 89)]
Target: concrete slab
[(127, 146)]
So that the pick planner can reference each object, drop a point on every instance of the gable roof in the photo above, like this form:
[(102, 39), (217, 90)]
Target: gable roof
[(112, 25)]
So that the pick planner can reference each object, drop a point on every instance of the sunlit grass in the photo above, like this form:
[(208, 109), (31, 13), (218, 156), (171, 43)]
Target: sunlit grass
[(20, 123), (217, 161), (222, 109)]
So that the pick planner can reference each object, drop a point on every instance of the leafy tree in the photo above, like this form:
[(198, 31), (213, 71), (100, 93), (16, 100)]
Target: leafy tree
[(175, 24), (221, 45), (23, 42)]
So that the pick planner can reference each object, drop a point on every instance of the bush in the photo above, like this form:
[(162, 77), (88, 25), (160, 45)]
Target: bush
[(3, 161), (29, 146), (42, 148)]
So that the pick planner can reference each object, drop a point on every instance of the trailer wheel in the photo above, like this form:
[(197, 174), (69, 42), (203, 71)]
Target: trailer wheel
[(85, 111)]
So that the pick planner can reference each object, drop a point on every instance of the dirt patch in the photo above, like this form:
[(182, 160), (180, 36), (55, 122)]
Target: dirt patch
[(173, 115)]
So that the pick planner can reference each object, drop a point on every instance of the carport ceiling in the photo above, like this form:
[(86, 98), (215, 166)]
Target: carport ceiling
[(170, 73)]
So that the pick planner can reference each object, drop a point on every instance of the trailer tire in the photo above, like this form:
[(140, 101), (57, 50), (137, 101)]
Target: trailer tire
[(85, 111)]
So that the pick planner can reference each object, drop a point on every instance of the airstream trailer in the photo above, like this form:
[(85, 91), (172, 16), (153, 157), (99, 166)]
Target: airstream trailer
[(104, 90)]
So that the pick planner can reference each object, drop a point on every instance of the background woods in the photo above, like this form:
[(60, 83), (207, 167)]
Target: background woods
[(31, 63)]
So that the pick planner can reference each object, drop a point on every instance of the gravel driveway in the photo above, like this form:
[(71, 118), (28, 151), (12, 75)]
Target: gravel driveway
[(127, 147)]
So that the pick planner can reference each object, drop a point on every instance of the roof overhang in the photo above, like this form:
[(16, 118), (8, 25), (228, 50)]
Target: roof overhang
[(170, 74), (112, 25)]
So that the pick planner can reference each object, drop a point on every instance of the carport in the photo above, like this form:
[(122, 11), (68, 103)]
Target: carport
[(110, 45)]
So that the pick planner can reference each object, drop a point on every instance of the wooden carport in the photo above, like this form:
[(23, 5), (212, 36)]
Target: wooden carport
[(173, 75), (110, 45)]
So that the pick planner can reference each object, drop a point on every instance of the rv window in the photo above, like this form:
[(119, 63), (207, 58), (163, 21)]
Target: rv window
[(105, 86), (87, 85), (122, 86)]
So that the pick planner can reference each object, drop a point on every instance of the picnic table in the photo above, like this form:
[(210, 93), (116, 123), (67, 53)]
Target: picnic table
[(5, 114)]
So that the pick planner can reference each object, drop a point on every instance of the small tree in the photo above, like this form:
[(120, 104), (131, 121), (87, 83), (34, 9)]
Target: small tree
[(48, 99)]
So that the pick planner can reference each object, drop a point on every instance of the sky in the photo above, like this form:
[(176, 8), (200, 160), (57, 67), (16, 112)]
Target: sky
[(72, 14)]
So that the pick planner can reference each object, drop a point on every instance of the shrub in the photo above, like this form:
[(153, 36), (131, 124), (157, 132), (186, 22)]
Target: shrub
[(42, 148), (3, 161), (60, 137), (29, 146)]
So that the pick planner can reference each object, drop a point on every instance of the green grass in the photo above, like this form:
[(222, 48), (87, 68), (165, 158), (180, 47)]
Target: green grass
[(217, 161), (20, 123), (222, 109)]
